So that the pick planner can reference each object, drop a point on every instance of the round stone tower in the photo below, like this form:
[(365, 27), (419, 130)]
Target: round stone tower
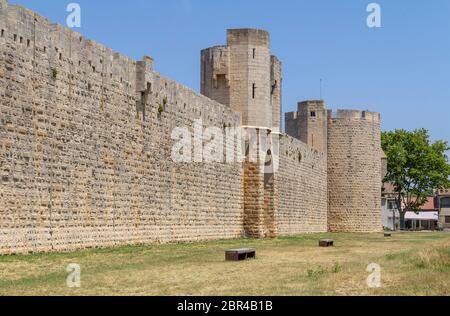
[(354, 171)]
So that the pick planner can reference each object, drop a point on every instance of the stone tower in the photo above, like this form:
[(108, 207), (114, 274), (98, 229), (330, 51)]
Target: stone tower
[(309, 124), (352, 143), (354, 171), (244, 76)]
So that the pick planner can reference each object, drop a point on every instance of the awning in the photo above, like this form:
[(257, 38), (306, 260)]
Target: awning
[(424, 216)]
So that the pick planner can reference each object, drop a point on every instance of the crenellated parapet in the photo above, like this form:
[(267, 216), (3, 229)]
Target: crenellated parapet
[(369, 116)]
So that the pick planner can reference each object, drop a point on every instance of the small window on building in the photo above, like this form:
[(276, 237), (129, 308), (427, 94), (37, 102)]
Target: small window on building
[(445, 203), (254, 91), (3, 33), (28, 43), (392, 205), (447, 219), (45, 49), (254, 53), (21, 40), (60, 56), (313, 114), (15, 37)]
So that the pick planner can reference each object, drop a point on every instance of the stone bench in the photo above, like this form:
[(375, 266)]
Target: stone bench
[(240, 254), (326, 243)]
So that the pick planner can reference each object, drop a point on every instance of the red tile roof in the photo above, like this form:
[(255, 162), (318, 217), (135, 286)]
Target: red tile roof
[(388, 188), (430, 205)]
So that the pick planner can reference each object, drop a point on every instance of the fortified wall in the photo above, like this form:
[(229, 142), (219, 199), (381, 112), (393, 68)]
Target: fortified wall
[(85, 147), (87, 144)]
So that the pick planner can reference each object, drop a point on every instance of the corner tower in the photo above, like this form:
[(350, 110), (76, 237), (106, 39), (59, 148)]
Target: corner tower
[(354, 171), (244, 76)]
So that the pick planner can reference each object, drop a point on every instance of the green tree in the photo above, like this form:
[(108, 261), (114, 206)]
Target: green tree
[(416, 167)]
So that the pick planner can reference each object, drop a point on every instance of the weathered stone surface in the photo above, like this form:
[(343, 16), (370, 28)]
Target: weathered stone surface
[(302, 179), (85, 148), (354, 171), (85, 155)]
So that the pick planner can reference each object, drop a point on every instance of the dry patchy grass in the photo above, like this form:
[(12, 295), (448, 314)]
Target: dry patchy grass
[(411, 263)]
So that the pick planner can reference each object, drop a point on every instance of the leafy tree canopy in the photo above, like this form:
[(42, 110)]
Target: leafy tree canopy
[(416, 166)]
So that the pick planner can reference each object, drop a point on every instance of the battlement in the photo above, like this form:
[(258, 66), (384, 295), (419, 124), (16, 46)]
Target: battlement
[(215, 48), (248, 37), (310, 103), (354, 115), (35, 34)]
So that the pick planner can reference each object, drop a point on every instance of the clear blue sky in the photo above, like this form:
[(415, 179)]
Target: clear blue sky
[(401, 70)]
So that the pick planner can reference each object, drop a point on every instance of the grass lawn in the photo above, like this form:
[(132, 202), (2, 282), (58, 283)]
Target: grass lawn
[(411, 264)]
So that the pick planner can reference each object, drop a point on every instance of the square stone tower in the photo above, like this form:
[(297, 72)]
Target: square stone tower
[(244, 76), (309, 124)]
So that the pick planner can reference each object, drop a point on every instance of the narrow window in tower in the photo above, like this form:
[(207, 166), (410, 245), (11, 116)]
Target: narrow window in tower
[(15, 37), (253, 90), (254, 53), (28, 43), (313, 114), (3, 33)]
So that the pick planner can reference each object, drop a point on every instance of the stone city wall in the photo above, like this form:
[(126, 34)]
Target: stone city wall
[(85, 147), (302, 179)]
